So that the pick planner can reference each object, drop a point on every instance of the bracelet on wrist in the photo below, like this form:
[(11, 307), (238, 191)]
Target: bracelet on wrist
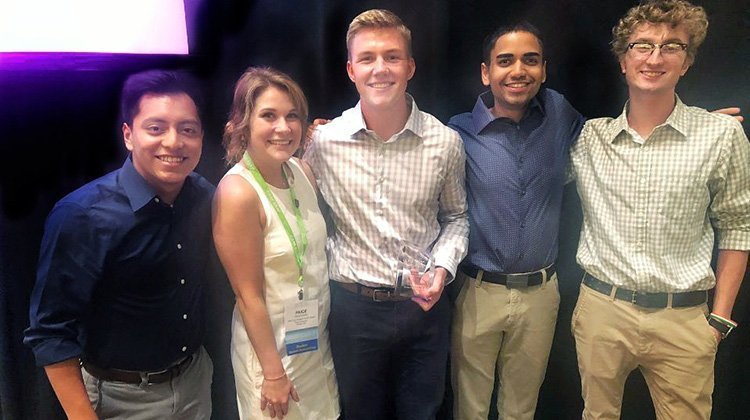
[(723, 320), (274, 379), (722, 325)]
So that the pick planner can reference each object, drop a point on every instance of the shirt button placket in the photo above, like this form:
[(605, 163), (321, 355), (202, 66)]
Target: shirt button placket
[(380, 181), (182, 283), (642, 198), (646, 176)]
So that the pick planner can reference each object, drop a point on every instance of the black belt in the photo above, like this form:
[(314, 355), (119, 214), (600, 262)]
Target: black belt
[(136, 377), (512, 281), (377, 294), (648, 300)]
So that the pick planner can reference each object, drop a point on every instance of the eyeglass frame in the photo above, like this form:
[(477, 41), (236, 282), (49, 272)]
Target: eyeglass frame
[(654, 46)]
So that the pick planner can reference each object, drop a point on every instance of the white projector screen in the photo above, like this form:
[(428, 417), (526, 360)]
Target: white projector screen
[(93, 26)]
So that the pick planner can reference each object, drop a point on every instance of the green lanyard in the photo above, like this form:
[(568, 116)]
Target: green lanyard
[(298, 251)]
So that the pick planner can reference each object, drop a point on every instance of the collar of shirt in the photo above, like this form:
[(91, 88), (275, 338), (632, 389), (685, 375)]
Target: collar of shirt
[(136, 188), (139, 192), (482, 114), (356, 121), (678, 120)]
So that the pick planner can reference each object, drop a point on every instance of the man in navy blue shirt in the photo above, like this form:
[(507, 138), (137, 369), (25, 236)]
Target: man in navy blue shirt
[(517, 139), (116, 313)]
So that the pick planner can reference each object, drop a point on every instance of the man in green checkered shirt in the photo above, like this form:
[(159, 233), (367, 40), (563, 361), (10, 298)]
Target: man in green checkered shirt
[(656, 184)]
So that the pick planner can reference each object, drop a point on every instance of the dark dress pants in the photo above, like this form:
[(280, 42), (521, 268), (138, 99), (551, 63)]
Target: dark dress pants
[(390, 357)]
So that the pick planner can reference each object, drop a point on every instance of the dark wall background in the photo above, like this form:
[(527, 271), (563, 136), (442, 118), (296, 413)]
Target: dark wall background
[(58, 130)]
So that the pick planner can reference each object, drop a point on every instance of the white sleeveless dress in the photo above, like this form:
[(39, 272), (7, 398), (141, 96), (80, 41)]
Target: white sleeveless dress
[(311, 372)]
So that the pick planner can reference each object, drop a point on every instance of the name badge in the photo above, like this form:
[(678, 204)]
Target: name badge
[(301, 320)]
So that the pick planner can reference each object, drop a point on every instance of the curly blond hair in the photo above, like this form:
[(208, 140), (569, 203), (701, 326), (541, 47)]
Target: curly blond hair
[(249, 87), (672, 12)]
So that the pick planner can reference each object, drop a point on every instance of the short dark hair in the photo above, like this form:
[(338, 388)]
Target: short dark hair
[(521, 26), (155, 82)]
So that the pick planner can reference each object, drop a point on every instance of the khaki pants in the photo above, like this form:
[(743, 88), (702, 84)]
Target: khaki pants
[(510, 330), (674, 348)]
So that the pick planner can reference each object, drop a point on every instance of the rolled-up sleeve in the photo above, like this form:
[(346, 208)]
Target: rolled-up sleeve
[(730, 207), (70, 265)]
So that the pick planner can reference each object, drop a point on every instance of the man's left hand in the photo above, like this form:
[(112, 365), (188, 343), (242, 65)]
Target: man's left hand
[(307, 141), (429, 297), (717, 334)]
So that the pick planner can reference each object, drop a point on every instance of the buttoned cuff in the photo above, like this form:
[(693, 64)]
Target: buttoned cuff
[(449, 265)]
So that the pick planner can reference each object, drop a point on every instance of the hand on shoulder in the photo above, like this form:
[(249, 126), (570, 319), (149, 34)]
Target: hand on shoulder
[(731, 111)]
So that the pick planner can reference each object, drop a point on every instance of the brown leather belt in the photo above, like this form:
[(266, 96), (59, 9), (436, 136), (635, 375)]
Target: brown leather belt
[(136, 377), (377, 294), (648, 300)]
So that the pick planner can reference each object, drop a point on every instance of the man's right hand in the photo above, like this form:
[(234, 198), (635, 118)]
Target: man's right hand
[(67, 382), (732, 111)]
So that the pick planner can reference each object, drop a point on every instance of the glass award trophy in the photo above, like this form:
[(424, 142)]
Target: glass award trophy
[(415, 269)]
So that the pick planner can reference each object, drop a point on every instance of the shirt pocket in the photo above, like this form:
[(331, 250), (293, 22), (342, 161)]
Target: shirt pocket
[(683, 199)]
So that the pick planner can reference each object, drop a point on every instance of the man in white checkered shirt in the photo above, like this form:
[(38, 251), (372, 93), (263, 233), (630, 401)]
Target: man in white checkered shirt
[(389, 173), (654, 184)]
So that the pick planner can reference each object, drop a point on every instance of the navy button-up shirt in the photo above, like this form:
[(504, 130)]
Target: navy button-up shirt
[(121, 274), (514, 181)]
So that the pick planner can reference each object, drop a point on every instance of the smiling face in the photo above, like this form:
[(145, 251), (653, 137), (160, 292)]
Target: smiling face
[(165, 141), (515, 73), (656, 73), (380, 67), (275, 128)]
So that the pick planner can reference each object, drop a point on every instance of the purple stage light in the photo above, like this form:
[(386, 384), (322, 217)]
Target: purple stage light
[(93, 26)]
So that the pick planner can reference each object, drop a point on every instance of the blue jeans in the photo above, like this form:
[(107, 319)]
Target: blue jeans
[(390, 357)]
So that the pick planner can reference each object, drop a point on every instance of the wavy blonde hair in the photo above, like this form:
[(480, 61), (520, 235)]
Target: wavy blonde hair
[(249, 87), (672, 12)]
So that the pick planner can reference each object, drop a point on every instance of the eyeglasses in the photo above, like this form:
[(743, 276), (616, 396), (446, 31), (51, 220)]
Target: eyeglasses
[(644, 49)]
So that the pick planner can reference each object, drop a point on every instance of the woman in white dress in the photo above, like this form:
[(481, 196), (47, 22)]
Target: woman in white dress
[(270, 236)]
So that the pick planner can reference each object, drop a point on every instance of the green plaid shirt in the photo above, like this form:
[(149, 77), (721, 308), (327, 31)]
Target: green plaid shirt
[(650, 206)]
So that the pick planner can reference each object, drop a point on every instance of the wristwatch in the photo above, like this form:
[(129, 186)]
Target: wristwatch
[(723, 326)]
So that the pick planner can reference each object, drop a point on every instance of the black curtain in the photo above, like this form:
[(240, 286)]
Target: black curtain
[(59, 130)]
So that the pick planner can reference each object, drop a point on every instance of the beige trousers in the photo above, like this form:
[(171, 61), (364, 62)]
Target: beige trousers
[(674, 348), (508, 332)]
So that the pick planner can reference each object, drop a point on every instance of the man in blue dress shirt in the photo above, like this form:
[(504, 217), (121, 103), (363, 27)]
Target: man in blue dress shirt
[(517, 139), (116, 313)]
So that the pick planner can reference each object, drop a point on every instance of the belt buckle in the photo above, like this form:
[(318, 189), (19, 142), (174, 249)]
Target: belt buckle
[(517, 281), (634, 297), (388, 294), (146, 377), (643, 300)]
